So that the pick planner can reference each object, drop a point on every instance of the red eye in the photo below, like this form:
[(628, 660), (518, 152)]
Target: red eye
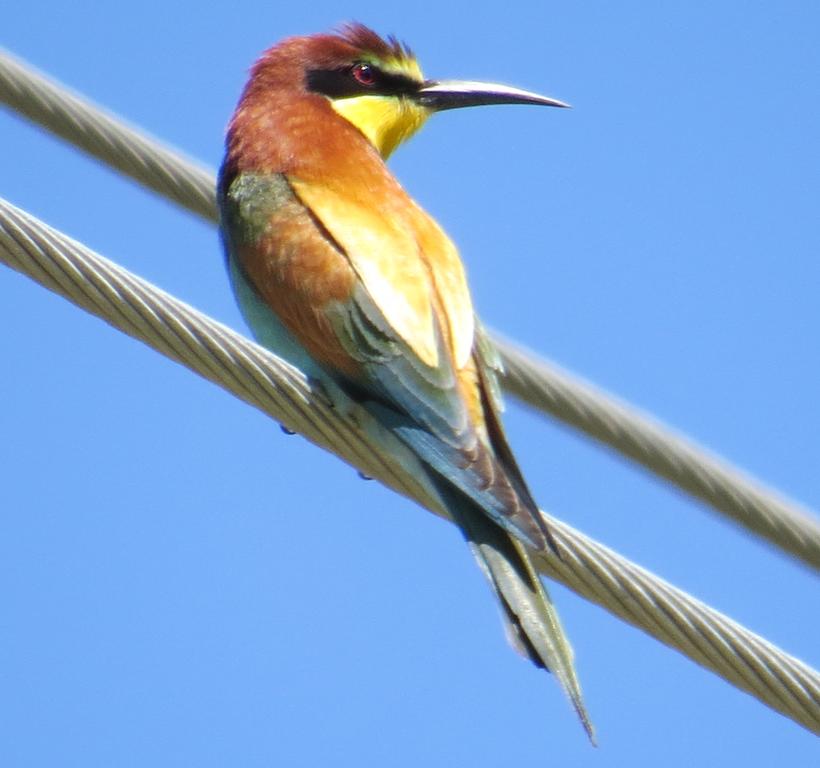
[(364, 74)]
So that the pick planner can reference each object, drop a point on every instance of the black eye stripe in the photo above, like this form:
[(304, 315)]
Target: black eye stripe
[(338, 83)]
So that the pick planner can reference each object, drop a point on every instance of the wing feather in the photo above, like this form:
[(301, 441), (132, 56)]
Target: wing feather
[(380, 299), (385, 255)]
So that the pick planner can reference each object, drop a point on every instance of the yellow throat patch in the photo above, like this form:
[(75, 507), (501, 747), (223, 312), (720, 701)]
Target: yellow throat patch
[(386, 121)]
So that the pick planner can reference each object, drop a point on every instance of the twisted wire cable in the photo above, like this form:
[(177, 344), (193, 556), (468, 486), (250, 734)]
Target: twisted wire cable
[(725, 488), (543, 386), (106, 137), (258, 377)]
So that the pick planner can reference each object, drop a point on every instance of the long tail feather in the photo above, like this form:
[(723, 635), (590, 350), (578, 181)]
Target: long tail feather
[(533, 626)]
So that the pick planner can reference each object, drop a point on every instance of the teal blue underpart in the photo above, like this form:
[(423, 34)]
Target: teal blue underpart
[(267, 329)]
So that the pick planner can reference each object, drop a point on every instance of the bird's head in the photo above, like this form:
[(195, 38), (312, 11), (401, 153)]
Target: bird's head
[(375, 84)]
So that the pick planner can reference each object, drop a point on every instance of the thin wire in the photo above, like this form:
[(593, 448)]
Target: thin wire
[(106, 137), (782, 522), (725, 488), (258, 377)]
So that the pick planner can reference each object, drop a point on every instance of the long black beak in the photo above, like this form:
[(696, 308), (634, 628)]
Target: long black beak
[(452, 94)]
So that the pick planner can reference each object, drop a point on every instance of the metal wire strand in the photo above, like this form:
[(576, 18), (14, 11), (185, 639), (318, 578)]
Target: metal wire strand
[(543, 386), (260, 378), (106, 137), (728, 490)]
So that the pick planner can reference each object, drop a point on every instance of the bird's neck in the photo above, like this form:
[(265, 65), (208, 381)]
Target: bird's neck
[(306, 138)]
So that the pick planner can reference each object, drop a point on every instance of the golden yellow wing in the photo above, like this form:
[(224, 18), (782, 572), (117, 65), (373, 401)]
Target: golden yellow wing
[(407, 265)]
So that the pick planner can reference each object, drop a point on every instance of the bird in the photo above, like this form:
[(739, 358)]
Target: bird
[(340, 272)]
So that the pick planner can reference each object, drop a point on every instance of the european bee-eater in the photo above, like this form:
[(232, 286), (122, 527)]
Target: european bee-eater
[(340, 272)]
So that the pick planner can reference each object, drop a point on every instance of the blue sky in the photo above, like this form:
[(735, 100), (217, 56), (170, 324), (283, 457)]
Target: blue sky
[(182, 584)]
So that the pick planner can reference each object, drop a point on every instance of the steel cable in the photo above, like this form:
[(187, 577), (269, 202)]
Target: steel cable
[(260, 378)]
